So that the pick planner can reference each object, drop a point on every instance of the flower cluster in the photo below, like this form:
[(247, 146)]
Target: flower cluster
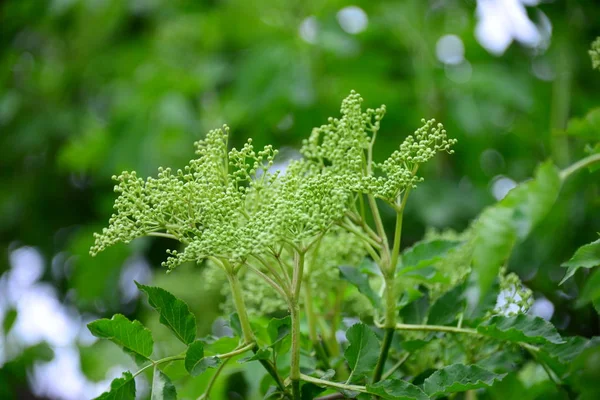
[(344, 146)]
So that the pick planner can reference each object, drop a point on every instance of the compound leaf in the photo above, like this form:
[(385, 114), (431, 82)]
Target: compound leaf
[(395, 389), (132, 336), (120, 388), (162, 387), (174, 313), (522, 328), (459, 378), (363, 351)]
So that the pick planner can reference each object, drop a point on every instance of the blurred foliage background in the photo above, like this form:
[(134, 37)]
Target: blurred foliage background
[(89, 88)]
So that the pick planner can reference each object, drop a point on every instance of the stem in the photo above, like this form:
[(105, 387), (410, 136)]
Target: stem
[(453, 329), (240, 307), (213, 379), (295, 356), (311, 320), (395, 367), (270, 281), (298, 272), (565, 173), (236, 352), (162, 234), (385, 348), (378, 222), (337, 385)]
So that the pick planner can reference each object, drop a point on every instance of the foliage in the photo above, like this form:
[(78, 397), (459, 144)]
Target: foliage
[(91, 88), (232, 208)]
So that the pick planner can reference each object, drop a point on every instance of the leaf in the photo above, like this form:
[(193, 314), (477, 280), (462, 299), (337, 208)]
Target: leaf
[(174, 313), (446, 308), (361, 282), (416, 311), (424, 254), (363, 351), (132, 336), (279, 330), (509, 221), (522, 328), (195, 362), (591, 289), (120, 388), (459, 378), (162, 387), (9, 320), (587, 256), (559, 356), (395, 389), (261, 354)]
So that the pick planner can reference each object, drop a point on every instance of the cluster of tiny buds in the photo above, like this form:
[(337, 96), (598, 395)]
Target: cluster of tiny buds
[(595, 53)]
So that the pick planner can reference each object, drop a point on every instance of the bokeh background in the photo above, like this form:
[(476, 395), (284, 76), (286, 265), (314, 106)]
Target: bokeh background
[(89, 88)]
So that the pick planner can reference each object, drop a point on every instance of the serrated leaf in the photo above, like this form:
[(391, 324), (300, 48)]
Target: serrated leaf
[(395, 389), (120, 388), (446, 308), (131, 336), (459, 378), (587, 256), (162, 387), (559, 356), (261, 354), (522, 328), (235, 324), (507, 222), (195, 362), (361, 282), (363, 351), (174, 313), (424, 254)]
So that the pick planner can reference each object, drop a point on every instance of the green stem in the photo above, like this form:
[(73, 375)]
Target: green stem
[(378, 224), (453, 329), (240, 307), (295, 355), (585, 162), (213, 379), (385, 348), (395, 367), (311, 320), (336, 385)]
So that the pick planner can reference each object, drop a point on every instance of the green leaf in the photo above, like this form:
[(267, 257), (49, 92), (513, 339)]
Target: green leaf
[(363, 351), (559, 356), (591, 289), (446, 308), (361, 281), (395, 389), (279, 330), (120, 388), (162, 387), (9, 320), (424, 254), (507, 222), (459, 378), (174, 313), (132, 336), (195, 362), (521, 328), (587, 256), (261, 354)]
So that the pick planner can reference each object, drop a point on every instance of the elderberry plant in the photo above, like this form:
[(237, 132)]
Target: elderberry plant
[(308, 248)]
